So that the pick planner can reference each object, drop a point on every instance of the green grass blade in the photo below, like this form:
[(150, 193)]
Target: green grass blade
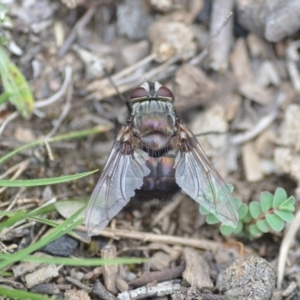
[(54, 224), (16, 85), (16, 217), (4, 97), (47, 207), (65, 227), (74, 261), (6, 213), (68, 136), (18, 294), (43, 181)]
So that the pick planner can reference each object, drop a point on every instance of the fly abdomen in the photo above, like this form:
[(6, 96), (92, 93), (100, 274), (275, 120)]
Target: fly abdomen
[(157, 153), (160, 183)]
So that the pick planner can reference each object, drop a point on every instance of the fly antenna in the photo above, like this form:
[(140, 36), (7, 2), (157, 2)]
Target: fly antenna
[(121, 96)]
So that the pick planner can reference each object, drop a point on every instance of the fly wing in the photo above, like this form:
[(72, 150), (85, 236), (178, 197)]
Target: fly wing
[(122, 175), (199, 179)]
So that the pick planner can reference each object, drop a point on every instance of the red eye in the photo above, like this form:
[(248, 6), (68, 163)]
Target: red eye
[(164, 92), (138, 93)]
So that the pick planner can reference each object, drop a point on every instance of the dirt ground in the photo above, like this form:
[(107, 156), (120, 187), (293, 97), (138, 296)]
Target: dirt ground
[(236, 81)]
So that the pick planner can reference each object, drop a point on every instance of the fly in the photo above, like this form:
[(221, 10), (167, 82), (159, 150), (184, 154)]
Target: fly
[(155, 155)]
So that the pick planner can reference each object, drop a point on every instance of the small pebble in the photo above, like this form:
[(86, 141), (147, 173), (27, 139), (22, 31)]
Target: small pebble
[(253, 279), (64, 246)]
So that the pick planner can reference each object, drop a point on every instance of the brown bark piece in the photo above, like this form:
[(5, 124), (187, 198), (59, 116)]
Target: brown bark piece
[(171, 38), (110, 271), (197, 270), (134, 52), (41, 275), (148, 277), (193, 87), (76, 295), (46, 288), (28, 267), (240, 62), (257, 93), (267, 74), (100, 291), (160, 261), (251, 163), (257, 46), (121, 285)]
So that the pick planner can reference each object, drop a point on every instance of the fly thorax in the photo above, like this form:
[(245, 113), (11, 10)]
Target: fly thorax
[(154, 123)]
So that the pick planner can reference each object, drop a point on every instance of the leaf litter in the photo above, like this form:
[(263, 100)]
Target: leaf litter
[(235, 90)]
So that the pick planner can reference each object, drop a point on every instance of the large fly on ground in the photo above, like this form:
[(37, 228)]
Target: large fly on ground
[(155, 155)]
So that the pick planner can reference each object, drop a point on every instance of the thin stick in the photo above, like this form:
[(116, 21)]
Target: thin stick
[(78, 284), (13, 202), (263, 124), (167, 210), (121, 96), (242, 250), (133, 67), (196, 60), (168, 66), (49, 151), (109, 91), (157, 276), (39, 234), (21, 169), (12, 169), (59, 93), (64, 113), (285, 246), (80, 24), (152, 237), (9, 119)]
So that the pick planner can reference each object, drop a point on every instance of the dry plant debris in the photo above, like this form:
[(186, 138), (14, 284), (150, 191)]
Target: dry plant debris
[(236, 81)]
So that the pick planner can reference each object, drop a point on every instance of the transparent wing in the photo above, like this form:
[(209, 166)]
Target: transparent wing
[(199, 179), (122, 175)]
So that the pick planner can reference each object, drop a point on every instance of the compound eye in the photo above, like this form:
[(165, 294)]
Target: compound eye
[(138, 93), (164, 92)]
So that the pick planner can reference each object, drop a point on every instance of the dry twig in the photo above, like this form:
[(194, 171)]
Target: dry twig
[(161, 289), (262, 125), (285, 246), (151, 237), (21, 167), (158, 276), (81, 23)]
